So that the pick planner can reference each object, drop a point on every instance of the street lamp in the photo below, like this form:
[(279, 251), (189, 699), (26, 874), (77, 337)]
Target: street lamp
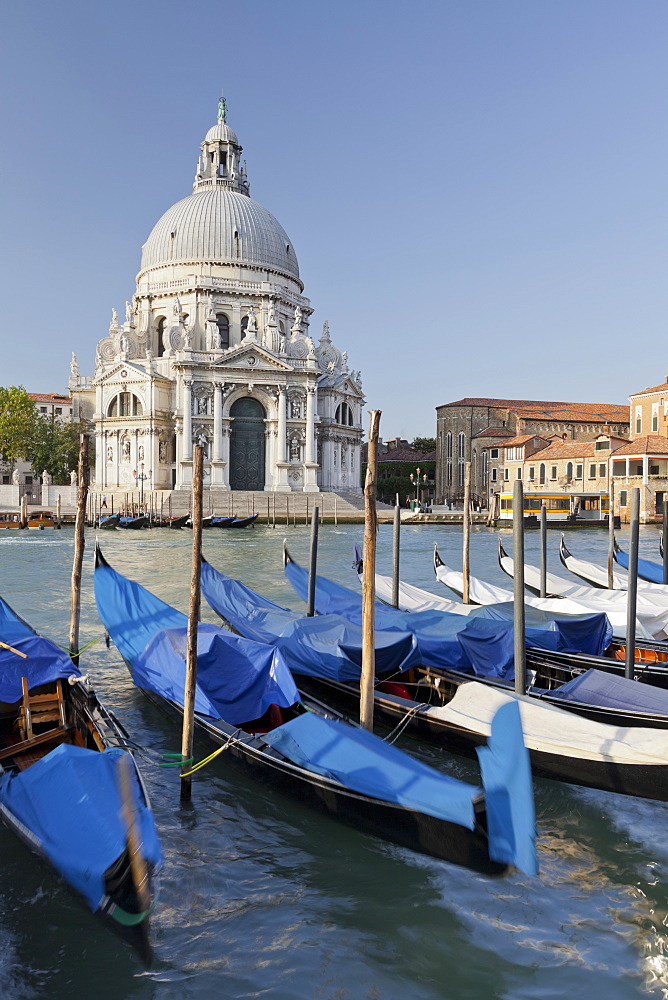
[(415, 481), (141, 477)]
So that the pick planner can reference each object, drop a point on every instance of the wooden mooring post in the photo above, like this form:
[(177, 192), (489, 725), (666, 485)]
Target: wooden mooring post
[(79, 546), (187, 736), (367, 679)]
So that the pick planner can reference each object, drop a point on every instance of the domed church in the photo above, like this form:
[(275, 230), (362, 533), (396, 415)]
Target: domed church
[(215, 350)]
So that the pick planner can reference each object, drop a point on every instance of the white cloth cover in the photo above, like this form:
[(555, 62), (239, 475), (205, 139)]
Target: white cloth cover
[(552, 730)]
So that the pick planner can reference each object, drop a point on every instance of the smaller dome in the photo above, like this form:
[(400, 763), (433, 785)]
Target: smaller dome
[(221, 132)]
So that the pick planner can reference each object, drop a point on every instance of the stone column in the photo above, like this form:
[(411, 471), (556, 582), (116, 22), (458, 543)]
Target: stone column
[(281, 484), (117, 458), (645, 470), (225, 432), (217, 467), (310, 466), (187, 448), (100, 459)]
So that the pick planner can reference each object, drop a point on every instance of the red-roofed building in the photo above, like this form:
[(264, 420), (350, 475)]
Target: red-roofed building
[(479, 429)]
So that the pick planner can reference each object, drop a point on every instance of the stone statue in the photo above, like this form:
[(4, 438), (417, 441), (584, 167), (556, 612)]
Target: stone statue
[(325, 332), (73, 477), (212, 331), (251, 328), (297, 324), (344, 361), (129, 313), (178, 311), (114, 320), (125, 343), (141, 453), (74, 366), (187, 338), (98, 359), (222, 110), (126, 449), (110, 453), (295, 409), (15, 477), (201, 404), (294, 449), (46, 478), (162, 451), (149, 357)]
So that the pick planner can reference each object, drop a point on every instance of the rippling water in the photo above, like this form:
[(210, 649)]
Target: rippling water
[(263, 898)]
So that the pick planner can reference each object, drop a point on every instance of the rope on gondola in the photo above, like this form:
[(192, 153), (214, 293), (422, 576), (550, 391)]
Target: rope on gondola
[(399, 728)]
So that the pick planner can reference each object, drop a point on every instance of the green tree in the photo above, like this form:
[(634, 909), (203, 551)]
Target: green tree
[(424, 444), (19, 421), (56, 448)]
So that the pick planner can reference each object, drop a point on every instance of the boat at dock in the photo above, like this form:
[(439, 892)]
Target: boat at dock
[(60, 771), (247, 702), (10, 519), (40, 519)]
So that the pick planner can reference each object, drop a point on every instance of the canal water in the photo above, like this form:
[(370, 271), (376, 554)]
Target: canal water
[(261, 897)]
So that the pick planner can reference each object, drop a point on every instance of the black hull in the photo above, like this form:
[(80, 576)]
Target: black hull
[(417, 831), (244, 522), (135, 524), (654, 674), (640, 780)]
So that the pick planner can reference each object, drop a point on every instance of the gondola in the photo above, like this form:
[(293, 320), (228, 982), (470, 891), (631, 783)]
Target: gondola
[(331, 673), (597, 576), (110, 521), (651, 611), (207, 522), (247, 702), (649, 571), (562, 745), (171, 522), (223, 522), (243, 522), (60, 763), (133, 522)]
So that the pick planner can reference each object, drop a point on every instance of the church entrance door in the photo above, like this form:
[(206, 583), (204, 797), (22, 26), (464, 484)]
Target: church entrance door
[(247, 445)]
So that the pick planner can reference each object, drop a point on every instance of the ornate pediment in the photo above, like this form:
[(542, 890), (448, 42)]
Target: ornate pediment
[(251, 358), (126, 373)]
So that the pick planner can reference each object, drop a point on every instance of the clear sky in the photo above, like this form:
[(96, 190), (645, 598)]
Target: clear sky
[(475, 189)]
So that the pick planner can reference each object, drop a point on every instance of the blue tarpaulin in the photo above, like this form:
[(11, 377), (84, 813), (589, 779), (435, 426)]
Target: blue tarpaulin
[(45, 661), (596, 687), (449, 640), (237, 679), (647, 570), (322, 646), (70, 800), (361, 761)]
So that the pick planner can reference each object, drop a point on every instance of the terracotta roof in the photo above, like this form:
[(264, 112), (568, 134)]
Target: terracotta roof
[(49, 397), (649, 444), (605, 411), (495, 432), (522, 439), (655, 388), (565, 449), (578, 413), (407, 455)]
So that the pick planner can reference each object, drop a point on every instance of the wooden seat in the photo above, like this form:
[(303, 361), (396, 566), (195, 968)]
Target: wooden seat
[(40, 712)]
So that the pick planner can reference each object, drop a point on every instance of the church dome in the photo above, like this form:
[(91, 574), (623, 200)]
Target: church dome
[(221, 132), (219, 225)]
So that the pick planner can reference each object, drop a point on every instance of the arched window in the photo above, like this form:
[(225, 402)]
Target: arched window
[(160, 347), (344, 415), (125, 404), (541, 474), (569, 472), (461, 457), (448, 458), (244, 326), (223, 324)]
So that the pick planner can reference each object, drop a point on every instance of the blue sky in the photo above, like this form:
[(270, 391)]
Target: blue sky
[(475, 190)]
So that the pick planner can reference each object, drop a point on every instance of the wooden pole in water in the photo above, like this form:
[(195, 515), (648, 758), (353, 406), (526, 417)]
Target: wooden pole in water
[(518, 587), (336, 516), (611, 539), (665, 538), (543, 549), (466, 532), (273, 510), (369, 578), (313, 563), (58, 513), (79, 546), (193, 622), (396, 545), (632, 592)]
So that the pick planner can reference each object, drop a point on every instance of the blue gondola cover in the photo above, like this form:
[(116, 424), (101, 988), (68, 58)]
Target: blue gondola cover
[(647, 570), (596, 687), (45, 661), (70, 801)]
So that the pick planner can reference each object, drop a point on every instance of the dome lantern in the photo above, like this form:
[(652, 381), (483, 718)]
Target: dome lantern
[(219, 164)]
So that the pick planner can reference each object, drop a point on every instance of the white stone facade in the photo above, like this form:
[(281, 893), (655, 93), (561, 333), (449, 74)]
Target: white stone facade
[(215, 349)]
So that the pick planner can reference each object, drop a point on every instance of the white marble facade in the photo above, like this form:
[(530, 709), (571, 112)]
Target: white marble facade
[(215, 349)]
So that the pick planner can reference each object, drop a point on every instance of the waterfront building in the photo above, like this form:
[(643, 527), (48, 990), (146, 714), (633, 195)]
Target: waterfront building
[(477, 429), (215, 350)]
